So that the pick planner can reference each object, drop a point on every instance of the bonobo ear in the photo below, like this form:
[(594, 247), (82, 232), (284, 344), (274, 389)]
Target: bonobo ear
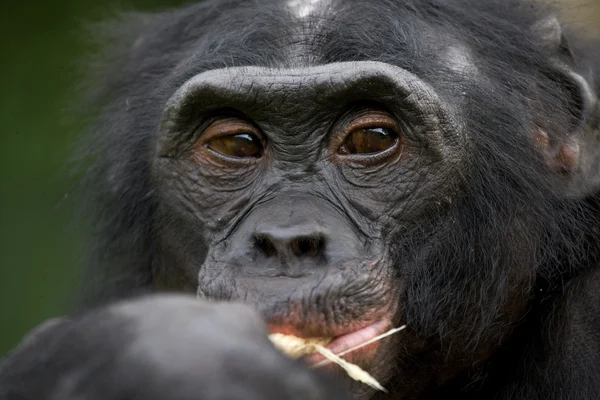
[(577, 155), (549, 32)]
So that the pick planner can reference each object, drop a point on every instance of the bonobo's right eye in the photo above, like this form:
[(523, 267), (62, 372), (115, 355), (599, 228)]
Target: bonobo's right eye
[(233, 138), (242, 145)]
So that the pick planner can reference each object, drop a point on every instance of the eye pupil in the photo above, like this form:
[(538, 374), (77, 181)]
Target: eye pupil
[(369, 141), (242, 145)]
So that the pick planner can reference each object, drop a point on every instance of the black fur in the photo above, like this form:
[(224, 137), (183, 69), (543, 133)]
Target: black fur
[(510, 235)]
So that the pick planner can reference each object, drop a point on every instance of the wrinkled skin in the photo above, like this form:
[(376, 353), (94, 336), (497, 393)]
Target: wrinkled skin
[(436, 167)]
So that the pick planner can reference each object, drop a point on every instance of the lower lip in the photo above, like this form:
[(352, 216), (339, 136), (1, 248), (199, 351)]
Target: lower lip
[(354, 339)]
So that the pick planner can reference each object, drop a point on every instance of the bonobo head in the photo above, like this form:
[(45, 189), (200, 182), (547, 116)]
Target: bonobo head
[(347, 177)]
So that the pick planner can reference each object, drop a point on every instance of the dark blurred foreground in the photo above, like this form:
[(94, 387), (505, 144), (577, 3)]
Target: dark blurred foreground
[(40, 45)]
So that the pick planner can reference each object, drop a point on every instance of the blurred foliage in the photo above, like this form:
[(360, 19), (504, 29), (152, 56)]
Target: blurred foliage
[(41, 43)]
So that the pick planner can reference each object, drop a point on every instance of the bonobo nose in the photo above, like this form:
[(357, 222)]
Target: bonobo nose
[(290, 234), (293, 242)]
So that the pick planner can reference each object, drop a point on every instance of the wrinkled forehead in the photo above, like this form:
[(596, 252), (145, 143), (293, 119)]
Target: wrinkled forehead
[(287, 93), (319, 82)]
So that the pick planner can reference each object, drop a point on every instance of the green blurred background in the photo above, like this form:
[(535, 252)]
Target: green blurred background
[(41, 43)]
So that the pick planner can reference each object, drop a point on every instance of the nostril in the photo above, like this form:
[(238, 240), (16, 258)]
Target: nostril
[(289, 245), (308, 246), (265, 245)]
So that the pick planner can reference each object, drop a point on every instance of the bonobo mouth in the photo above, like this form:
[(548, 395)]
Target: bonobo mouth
[(345, 341)]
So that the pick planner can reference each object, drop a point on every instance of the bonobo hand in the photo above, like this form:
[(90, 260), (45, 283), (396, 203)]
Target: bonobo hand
[(159, 347)]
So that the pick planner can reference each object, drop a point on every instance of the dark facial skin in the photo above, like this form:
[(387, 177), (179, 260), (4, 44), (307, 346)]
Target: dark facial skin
[(296, 198)]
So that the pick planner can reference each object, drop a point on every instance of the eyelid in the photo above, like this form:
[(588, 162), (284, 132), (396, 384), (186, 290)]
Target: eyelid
[(372, 119), (229, 127)]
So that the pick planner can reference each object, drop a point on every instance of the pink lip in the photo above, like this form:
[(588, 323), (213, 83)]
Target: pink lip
[(353, 339)]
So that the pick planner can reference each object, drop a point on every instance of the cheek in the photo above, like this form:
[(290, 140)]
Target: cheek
[(403, 189), (472, 288), (207, 194)]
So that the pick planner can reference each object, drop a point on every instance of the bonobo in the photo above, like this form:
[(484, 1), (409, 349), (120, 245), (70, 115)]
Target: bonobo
[(336, 168)]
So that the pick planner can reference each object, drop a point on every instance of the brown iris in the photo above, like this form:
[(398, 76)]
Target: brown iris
[(371, 133), (243, 145), (235, 138)]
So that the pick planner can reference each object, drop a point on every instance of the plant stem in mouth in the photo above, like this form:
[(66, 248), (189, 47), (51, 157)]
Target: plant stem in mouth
[(373, 340)]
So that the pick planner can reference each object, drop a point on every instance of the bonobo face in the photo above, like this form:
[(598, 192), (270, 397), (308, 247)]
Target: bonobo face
[(295, 180)]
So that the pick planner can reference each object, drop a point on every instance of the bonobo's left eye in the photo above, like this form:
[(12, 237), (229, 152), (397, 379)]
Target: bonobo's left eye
[(371, 133), (233, 138)]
